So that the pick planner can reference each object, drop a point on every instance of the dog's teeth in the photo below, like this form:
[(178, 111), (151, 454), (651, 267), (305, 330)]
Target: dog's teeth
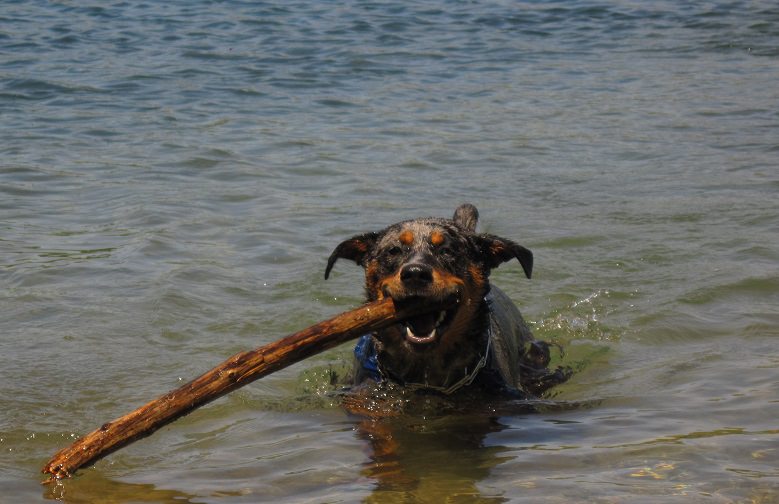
[(441, 318), (419, 339)]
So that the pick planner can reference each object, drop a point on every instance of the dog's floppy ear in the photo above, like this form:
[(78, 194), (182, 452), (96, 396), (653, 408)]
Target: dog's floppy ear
[(496, 251), (466, 217), (354, 248)]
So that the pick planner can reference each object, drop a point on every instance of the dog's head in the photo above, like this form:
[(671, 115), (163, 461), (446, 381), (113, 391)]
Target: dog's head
[(435, 259)]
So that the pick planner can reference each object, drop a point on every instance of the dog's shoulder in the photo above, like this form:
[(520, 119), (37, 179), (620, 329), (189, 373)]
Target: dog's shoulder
[(509, 335)]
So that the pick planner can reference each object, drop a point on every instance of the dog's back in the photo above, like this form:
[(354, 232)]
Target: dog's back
[(509, 335)]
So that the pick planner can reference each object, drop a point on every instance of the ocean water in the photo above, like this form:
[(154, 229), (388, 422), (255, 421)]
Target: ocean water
[(173, 176)]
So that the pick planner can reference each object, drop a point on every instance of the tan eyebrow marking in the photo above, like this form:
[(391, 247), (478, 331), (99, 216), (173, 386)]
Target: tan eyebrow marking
[(436, 238), (406, 237)]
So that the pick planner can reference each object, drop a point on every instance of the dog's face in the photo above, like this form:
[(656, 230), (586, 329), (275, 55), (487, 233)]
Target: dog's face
[(434, 259)]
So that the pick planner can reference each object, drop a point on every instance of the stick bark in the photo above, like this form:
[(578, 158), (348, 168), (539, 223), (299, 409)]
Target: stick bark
[(237, 371)]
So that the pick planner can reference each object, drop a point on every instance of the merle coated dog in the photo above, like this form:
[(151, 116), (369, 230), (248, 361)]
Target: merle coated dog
[(482, 341)]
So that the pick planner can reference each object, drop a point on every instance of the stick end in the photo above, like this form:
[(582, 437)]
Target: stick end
[(55, 473)]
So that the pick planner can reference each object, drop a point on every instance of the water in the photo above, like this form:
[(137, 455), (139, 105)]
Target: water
[(175, 174)]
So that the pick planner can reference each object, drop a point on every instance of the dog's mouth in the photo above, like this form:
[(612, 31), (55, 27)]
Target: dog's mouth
[(425, 329)]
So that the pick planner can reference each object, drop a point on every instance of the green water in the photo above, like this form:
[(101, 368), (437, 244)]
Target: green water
[(174, 175)]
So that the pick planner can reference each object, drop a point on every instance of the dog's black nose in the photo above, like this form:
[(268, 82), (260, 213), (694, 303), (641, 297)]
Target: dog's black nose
[(416, 274)]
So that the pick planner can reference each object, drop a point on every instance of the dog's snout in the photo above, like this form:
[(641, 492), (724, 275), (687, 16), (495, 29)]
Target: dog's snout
[(416, 274)]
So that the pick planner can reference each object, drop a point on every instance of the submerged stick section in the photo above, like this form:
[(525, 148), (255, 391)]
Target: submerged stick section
[(237, 371)]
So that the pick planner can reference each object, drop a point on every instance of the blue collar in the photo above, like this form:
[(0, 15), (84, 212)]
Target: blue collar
[(366, 355)]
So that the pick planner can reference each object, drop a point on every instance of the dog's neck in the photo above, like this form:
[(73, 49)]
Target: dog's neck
[(437, 369)]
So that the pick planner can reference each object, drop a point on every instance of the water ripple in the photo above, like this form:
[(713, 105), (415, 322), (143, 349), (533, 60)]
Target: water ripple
[(174, 175)]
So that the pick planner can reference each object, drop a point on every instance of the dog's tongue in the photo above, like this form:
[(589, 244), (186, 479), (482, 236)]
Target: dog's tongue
[(422, 325)]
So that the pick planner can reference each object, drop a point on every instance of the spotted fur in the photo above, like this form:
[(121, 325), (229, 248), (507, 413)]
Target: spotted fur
[(434, 258)]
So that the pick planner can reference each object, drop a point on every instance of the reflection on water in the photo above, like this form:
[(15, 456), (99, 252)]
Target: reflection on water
[(93, 484), (434, 460), (436, 449)]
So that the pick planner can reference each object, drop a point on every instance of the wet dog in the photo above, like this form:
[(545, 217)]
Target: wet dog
[(482, 341)]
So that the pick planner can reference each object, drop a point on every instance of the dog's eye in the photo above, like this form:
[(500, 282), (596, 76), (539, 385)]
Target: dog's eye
[(446, 251), (395, 251)]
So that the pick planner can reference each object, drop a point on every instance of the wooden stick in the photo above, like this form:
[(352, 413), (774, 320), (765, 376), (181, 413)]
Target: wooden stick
[(235, 372)]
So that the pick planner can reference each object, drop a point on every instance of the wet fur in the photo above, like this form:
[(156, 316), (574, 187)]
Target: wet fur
[(437, 258)]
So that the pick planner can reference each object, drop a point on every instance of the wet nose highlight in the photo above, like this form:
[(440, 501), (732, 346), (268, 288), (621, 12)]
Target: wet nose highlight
[(416, 274)]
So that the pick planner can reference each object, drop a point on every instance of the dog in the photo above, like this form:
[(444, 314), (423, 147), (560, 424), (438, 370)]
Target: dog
[(481, 342)]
